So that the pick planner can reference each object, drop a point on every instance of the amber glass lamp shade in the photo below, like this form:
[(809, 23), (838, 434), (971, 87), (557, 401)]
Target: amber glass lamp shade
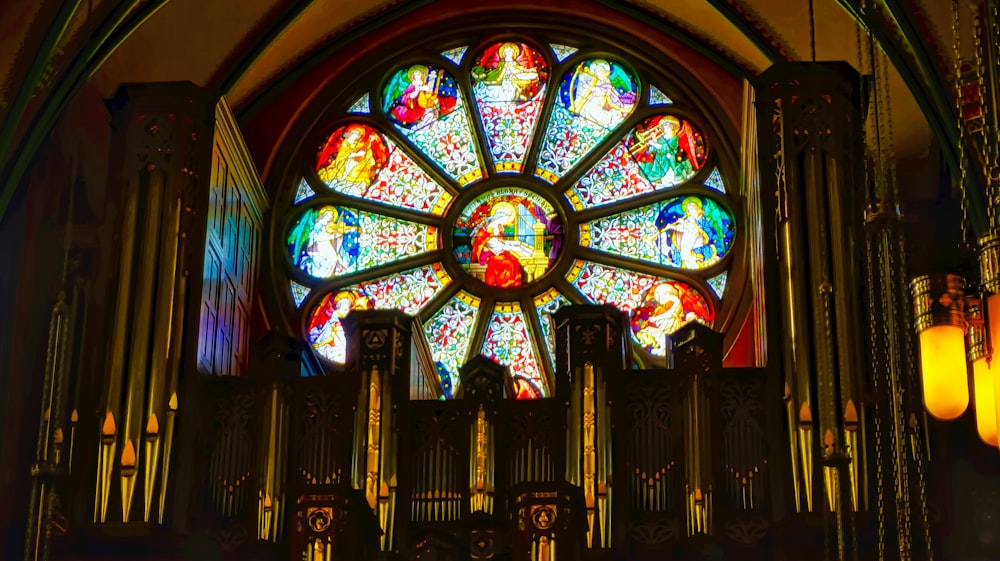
[(939, 314), (984, 401), (944, 372)]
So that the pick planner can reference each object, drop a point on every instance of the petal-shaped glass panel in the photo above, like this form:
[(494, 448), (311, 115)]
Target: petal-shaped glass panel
[(508, 82), (547, 304), (692, 232), (449, 333), (657, 306), (331, 241), (408, 291), (425, 105), (594, 98), (357, 160), (660, 152), (509, 342)]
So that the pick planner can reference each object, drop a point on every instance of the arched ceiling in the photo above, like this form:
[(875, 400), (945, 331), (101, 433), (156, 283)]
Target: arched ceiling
[(241, 48)]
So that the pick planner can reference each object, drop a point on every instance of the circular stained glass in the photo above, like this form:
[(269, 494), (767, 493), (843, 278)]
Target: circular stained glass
[(507, 237), (457, 191)]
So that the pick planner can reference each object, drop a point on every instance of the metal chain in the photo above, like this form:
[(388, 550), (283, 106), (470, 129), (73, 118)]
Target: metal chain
[(985, 148), (993, 141), (962, 135), (892, 189), (877, 372)]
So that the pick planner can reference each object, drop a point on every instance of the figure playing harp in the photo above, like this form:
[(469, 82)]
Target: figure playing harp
[(595, 96)]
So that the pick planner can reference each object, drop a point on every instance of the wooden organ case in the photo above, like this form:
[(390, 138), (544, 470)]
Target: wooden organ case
[(619, 463)]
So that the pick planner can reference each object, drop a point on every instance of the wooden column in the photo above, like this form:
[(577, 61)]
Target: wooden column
[(593, 354)]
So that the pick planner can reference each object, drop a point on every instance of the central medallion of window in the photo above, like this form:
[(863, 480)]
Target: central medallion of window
[(507, 237), (482, 193)]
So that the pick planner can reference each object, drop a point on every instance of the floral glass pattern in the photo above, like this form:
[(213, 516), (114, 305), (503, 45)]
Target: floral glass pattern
[(487, 189)]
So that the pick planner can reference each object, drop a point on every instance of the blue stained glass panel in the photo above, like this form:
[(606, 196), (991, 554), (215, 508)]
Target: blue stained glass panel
[(715, 181), (718, 284), (656, 97), (303, 192), (362, 105), (299, 293), (562, 52), (455, 55)]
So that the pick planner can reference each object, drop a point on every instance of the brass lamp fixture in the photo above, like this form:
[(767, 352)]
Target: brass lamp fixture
[(986, 381), (939, 313), (959, 331)]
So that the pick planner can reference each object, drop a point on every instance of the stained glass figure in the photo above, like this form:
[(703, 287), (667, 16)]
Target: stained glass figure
[(510, 343), (449, 332), (656, 97), (547, 304), (594, 98), (331, 241), (657, 306), (303, 192), (357, 160), (362, 105), (408, 291), (508, 82), (692, 232), (326, 332), (715, 181), (508, 237), (299, 293), (660, 152), (718, 284), (425, 105), (562, 52), (455, 55)]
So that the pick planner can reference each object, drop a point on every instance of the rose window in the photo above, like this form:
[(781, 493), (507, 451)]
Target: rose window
[(484, 189)]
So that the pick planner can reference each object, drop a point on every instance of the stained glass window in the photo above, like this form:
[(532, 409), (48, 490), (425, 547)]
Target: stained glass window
[(485, 188)]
